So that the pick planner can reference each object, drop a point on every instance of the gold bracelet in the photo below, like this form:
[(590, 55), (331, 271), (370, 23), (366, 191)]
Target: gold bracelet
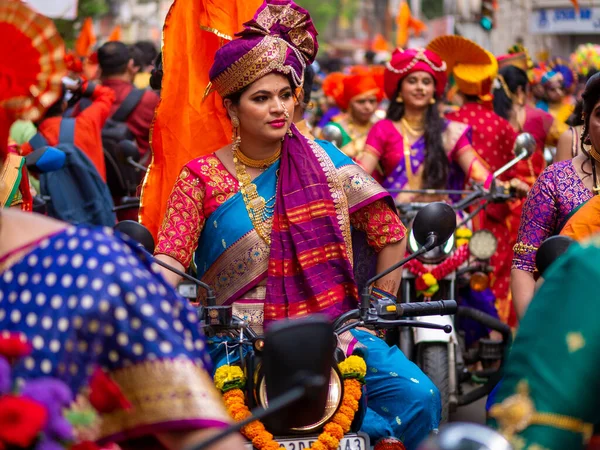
[(520, 248)]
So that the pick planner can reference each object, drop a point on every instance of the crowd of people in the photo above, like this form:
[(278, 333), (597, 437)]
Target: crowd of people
[(278, 219)]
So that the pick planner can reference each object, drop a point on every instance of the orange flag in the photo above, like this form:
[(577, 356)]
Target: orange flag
[(184, 125), (379, 44), (405, 23), (115, 34), (575, 4), (86, 39)]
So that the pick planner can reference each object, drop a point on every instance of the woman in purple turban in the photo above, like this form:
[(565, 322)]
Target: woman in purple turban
[(267, 219)]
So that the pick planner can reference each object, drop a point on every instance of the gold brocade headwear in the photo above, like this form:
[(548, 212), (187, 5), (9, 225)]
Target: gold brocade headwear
[(280, 38)]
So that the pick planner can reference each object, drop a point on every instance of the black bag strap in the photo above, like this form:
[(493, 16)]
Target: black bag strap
[(38, 141), (84, 103), (128, 105), (66, 134)]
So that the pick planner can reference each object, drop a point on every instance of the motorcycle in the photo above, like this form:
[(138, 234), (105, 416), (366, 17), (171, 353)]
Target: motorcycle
[(267, 384), (454, 360)]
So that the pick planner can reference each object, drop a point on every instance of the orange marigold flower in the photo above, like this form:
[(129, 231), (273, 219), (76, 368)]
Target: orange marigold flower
[(329, 440), (351, 403), (345, 411), (273, 445), (253, 429), (343, 421), (262, 439), (234, 393), (335, 430), (318, 445)]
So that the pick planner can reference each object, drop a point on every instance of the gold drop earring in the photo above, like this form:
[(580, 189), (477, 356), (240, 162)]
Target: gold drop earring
[(400, 99), (236, 139)]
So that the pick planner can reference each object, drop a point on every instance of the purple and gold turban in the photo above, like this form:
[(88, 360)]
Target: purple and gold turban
[(280, 38)]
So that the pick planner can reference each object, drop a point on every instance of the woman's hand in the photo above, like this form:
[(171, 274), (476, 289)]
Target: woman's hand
[(521, 188)]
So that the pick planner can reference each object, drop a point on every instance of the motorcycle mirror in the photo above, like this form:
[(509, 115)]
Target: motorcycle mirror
[(524, 145), (437, 219), (138, 232), (298, 353), (332, 134), (550, 250), (466, 436)]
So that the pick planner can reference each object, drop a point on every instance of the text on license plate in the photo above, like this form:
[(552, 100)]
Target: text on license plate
[(350, 442)]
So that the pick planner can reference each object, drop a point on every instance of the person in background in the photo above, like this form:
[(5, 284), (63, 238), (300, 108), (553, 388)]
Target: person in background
[(148, 53), (548, 398), (88, 124), (441, 155), (556, 197), (118, 71), (493, 139), (359, 99)]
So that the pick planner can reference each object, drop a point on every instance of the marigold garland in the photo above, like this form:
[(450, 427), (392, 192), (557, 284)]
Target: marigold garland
[(230, 381), (427, 281)]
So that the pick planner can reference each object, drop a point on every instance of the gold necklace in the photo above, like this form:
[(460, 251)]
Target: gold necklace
[(257, 163), (260, 211), (416, 130), (407, 156)]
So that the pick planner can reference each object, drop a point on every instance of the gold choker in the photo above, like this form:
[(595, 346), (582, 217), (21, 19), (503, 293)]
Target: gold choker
[(256, 163)]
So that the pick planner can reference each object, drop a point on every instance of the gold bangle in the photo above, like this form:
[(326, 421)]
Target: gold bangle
[(520, 248)]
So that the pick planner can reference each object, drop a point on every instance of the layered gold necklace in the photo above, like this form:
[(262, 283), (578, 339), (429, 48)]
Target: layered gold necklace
[(416, 131), (260, 211)]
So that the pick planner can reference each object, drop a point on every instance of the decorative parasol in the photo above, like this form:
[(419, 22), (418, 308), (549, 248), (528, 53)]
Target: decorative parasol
[(32, 63)]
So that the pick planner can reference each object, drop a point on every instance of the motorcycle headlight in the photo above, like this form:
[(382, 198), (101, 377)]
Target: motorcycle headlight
[(483, 244), (434, 256), (413, 245), (334, 399)]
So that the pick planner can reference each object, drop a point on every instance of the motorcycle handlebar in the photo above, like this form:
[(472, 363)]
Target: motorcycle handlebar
[(436, 308)]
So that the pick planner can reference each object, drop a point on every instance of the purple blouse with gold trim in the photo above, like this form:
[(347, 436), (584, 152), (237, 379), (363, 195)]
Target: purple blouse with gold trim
[(555, 194)]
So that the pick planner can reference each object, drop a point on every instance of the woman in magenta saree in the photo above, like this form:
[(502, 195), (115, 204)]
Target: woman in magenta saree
[(268, 219), (417, 148)]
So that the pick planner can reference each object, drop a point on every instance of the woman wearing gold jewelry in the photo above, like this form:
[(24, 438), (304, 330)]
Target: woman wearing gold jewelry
[(268, 218), (555, 198), (415, 145)]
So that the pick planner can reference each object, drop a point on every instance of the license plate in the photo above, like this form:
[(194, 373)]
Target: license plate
[(349, 442), (187, 290)]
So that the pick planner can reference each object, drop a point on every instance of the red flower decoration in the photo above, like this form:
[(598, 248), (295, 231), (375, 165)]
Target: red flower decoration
[(12, 347), (389, 443), (86, 445), (105, 394), (21, 421), (420, 284)]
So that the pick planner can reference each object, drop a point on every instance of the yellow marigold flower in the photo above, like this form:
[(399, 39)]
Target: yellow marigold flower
[(429, 279), (227, 374), (463, 233), (353, 365)]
